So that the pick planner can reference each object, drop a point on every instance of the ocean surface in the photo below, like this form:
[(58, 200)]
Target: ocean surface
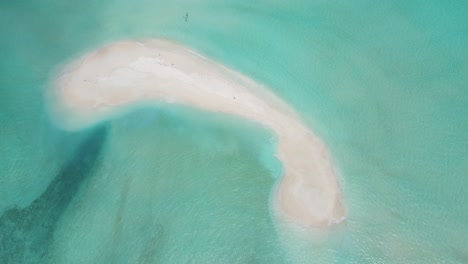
[(383, 83)]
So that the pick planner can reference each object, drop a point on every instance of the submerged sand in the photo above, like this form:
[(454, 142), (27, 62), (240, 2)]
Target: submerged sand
[(106, 80)]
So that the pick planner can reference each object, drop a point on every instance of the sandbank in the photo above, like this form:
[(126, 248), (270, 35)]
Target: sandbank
[(110, 78)]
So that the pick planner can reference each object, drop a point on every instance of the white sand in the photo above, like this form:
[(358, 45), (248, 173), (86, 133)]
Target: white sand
[(92, 87)]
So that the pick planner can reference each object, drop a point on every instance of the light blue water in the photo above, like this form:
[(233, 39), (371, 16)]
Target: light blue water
[(383, 83)]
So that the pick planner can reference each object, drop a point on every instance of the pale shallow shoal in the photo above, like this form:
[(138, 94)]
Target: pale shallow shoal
[(111, 78)]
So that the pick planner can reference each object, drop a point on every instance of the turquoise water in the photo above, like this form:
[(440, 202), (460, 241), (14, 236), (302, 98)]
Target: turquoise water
[(383, 83)]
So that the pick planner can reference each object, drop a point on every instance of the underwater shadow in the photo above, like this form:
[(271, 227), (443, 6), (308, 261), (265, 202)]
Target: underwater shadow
[(25, 234)]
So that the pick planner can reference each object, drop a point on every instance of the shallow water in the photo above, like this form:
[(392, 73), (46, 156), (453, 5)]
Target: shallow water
[(384, 84)]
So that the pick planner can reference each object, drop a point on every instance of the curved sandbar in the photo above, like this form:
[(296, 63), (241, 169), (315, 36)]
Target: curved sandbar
[(97, 84)]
